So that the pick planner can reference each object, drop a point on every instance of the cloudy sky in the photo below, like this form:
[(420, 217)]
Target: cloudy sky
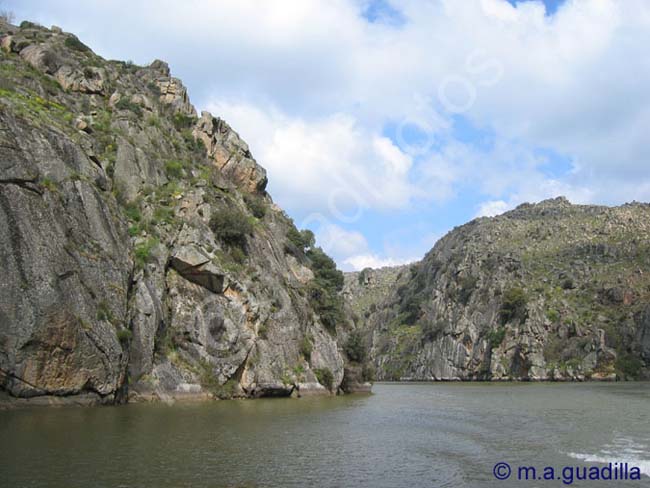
[(384, 124)]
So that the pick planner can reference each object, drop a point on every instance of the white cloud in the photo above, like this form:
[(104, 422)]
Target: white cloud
[(312, 86), (492, 208), (361, 261), (330, 165), (339, 242), (575, 82)]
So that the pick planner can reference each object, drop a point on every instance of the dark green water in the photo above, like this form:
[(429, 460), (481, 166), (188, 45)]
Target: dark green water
[(404, 435)]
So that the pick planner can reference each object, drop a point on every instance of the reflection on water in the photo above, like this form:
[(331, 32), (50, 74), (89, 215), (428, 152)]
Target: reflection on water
[(404, 435)]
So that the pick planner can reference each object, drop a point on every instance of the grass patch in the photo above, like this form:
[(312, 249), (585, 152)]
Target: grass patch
[(124, 336), (174, 169), (143, 251)]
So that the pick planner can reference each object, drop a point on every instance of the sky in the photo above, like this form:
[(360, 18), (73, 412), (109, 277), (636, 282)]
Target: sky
[(385, 124)]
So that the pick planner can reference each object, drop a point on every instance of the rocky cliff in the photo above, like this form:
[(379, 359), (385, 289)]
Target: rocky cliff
[(141, 255), (551, 291)]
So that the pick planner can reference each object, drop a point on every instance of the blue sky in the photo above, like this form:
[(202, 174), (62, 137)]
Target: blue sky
[(384, 124)]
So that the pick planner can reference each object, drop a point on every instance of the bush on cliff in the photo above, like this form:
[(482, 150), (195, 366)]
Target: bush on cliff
[(325, 377), (231, 226), (355, 347), (514, 305)]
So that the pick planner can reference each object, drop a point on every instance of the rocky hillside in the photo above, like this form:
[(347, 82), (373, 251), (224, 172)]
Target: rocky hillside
[(141, 254), (551, 291)]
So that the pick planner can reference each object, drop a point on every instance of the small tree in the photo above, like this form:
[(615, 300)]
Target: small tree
[(302, 239), (355, 347)]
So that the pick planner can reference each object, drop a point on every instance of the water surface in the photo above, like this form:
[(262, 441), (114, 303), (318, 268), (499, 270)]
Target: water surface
[(404, 435)]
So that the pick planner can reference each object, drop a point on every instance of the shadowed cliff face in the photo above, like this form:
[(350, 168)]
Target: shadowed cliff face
[(141, 254), (548, 291)]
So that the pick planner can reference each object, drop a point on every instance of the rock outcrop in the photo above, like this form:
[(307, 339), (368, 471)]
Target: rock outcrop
[(141, 255), (551, 291)]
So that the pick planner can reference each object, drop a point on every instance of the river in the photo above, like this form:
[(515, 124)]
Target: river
[(403, 435)]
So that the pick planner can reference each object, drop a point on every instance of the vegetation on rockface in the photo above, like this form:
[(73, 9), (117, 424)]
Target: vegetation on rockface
[(256, 205), (495, 337), (325, 377), (411, 297), (302, 240), (143, 251), (210, 382), (513, 307), (324, 289), (306, 347), (231, 226), (72, 42), (355, 347), (174, 169)]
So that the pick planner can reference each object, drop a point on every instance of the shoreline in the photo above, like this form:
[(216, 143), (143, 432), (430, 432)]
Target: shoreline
[(8, 402)]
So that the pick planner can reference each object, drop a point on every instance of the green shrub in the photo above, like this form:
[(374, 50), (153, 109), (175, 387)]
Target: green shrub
[(368, 372), (301, 239), (325, 271), (355, 347), (125, 103), (553, 316), (225, 391), (72, 42), (231, 226), (26, 24), (256, 205), (143, 251), (306, 347), (124, 335), (47, 183), (409, 308), (514, 305), (361, 279), (237, 255), (263, 331), (325, 377), (154, 121), (104, 312), (182, 121), (496, 336), (628, 366), (132, 211), (163, 215), (568, 284), (328, 305), (174, 169)]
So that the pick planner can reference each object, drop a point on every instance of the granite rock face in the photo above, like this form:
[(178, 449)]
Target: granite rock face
[(142, 257), (551, 291)]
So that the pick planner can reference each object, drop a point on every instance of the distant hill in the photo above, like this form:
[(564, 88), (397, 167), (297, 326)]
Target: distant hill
[(551, 291)]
